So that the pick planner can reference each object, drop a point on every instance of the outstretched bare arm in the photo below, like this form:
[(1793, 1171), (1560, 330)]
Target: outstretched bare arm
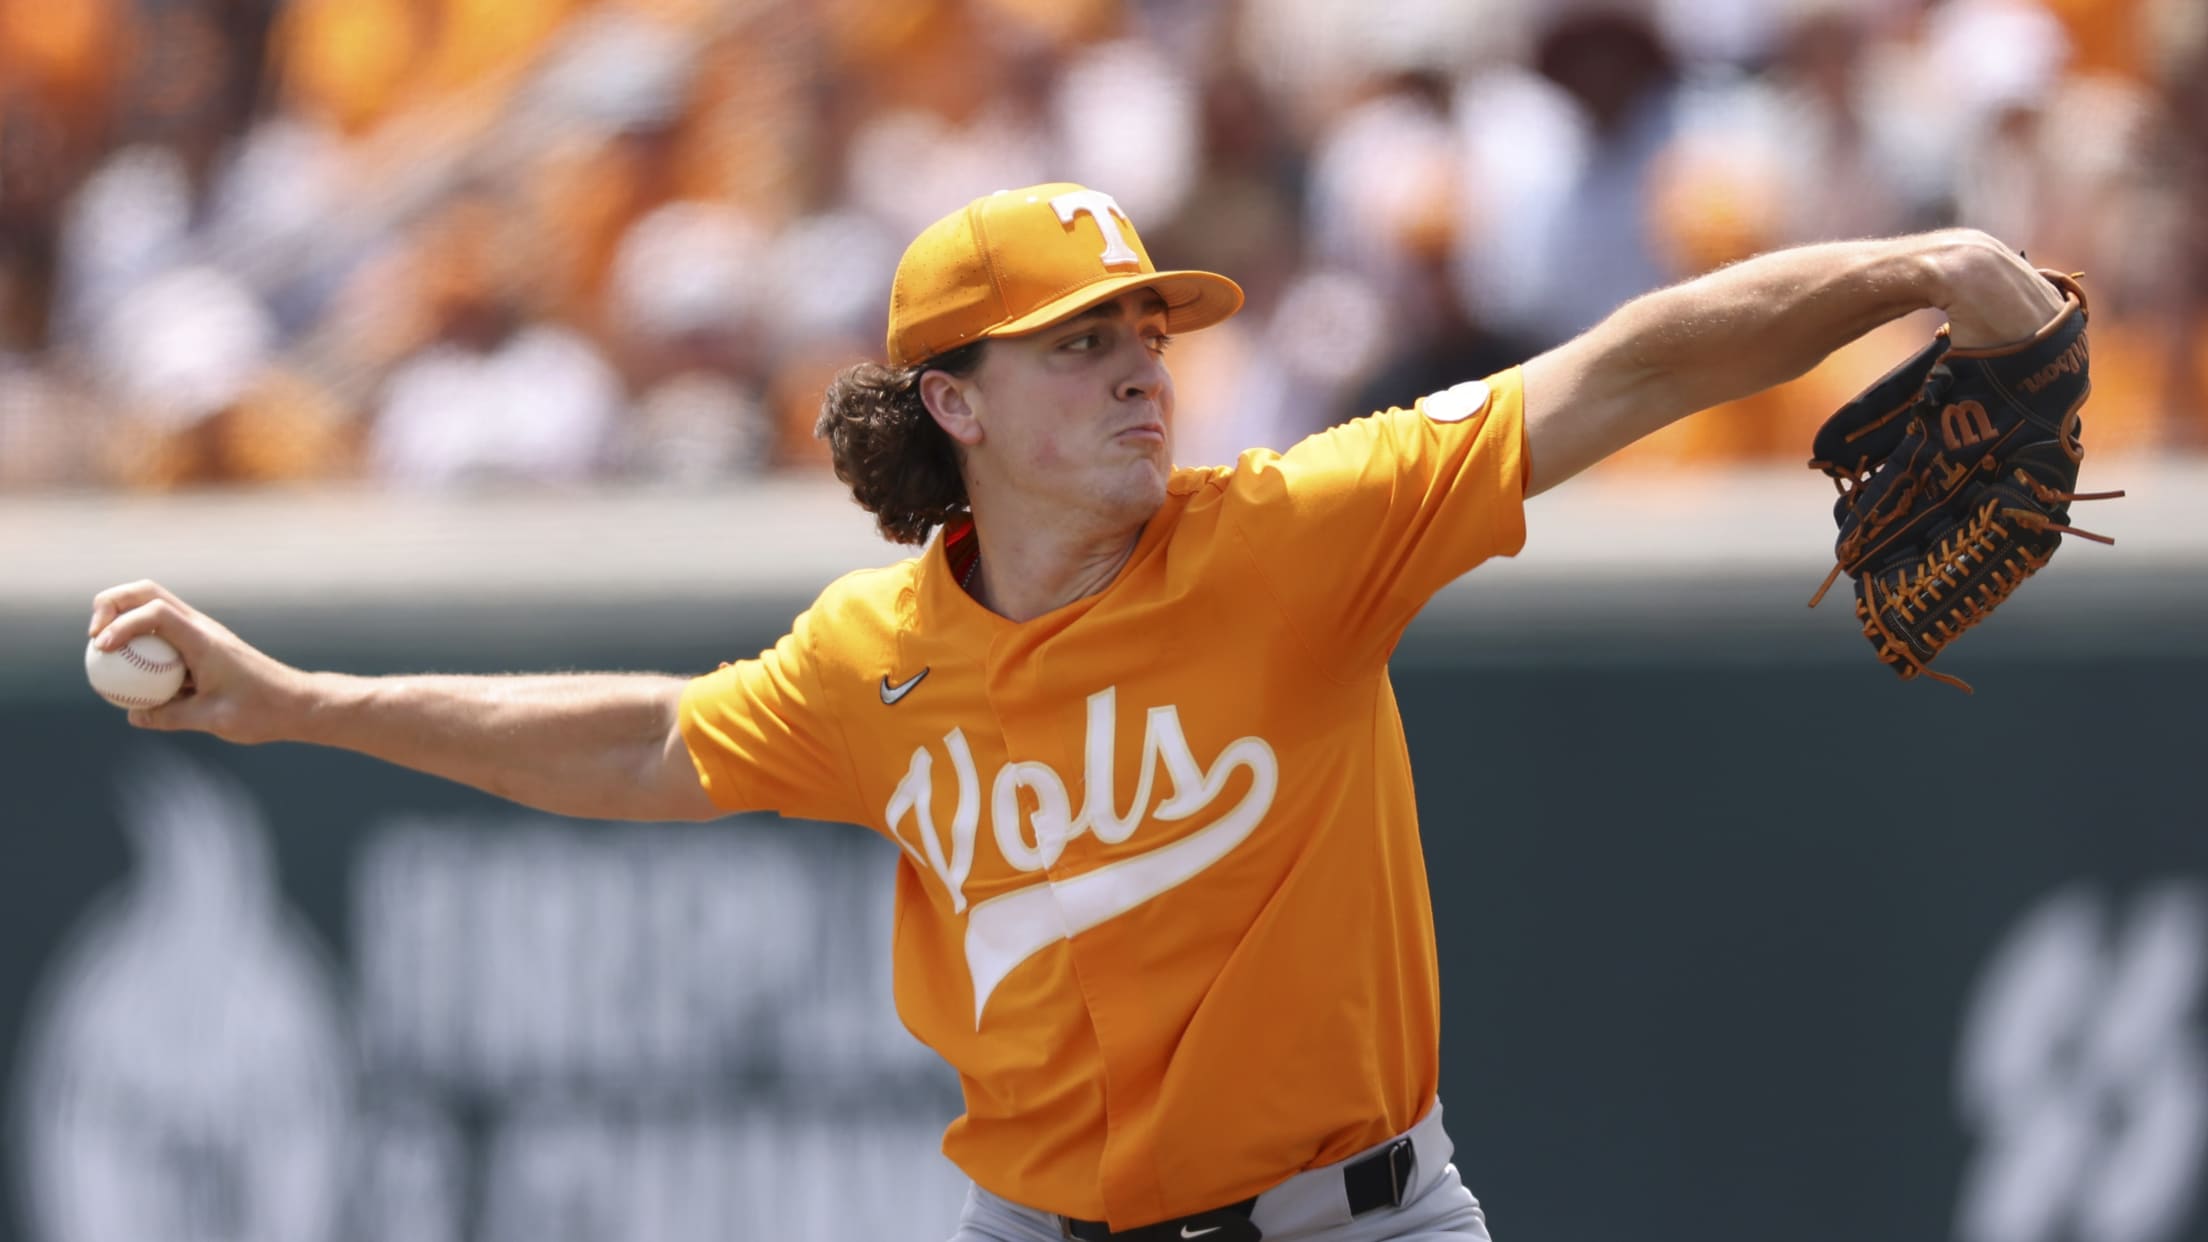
[(1760, 322), (596, 745)]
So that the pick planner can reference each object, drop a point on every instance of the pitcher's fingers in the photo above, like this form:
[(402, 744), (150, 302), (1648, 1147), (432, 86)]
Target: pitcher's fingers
[(116, 600), (188, 711), (160, 615)]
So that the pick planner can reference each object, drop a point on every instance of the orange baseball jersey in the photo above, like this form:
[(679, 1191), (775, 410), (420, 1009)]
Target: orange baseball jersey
[(1162, 903)]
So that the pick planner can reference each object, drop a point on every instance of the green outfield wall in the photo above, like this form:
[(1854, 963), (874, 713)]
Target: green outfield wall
[(1741, 938)]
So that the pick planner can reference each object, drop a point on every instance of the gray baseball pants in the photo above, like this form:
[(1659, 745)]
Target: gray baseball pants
[(1309, 1207)]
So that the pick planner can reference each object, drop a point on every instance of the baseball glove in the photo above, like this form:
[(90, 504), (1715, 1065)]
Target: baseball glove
[(1956, 473)]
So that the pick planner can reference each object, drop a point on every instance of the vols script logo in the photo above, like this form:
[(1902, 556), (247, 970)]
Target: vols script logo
[(2081, 1072), (1008, 929)]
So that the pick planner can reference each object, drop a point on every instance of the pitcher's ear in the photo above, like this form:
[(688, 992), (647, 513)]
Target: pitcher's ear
[(949, 402)]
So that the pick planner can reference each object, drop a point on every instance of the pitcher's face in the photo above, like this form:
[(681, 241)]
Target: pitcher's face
[(1081, 410)]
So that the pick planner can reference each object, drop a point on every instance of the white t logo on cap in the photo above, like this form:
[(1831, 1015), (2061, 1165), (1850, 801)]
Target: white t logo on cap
[(1117, 253)]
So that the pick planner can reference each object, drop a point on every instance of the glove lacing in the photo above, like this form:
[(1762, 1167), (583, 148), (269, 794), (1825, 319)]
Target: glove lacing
[(1940, 570)]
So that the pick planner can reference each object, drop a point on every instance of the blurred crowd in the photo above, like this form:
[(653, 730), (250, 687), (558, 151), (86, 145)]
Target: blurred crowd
[(458, 243)]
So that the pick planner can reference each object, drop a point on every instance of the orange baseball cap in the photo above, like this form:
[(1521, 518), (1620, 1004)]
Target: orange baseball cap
[(1019, 260)]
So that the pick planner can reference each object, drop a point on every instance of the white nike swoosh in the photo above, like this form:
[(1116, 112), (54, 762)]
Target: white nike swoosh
[(890, 693), (1006, 930), (1200, 1232)]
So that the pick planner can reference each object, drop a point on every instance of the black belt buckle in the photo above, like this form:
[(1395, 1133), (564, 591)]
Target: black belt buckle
[(1231, 1223), (1382, 1179)]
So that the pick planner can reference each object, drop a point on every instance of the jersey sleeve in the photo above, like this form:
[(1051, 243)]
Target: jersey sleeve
[(764, 738), (1353, 530)]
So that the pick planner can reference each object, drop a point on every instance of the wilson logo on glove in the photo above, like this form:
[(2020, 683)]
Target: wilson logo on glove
[(2072, 362), (1965, 424), (1938, 531)]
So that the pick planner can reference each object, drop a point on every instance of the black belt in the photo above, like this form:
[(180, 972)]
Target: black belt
[(1375, 1181)]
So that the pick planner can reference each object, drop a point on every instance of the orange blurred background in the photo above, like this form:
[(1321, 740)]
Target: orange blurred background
[(453, 244)]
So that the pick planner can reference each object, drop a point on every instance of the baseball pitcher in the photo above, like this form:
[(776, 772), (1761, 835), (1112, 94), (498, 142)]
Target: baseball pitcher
[(1162, 903)]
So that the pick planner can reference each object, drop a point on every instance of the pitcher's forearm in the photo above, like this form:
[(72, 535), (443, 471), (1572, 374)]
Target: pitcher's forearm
[(1760, 322), (1713, 339), (597, 745), (1745, 328), (582, 744)]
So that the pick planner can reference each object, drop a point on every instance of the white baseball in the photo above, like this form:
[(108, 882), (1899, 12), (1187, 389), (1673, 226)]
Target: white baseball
[(144, 672)]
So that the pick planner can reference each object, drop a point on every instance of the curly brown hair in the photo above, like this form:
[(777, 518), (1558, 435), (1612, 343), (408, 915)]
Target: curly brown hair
[(899, 464)]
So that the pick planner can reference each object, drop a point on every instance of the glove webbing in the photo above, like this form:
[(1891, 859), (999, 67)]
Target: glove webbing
[(1935, 572)]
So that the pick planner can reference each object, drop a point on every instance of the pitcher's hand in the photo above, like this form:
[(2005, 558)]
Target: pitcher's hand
[(1993, 297), (231, 689)]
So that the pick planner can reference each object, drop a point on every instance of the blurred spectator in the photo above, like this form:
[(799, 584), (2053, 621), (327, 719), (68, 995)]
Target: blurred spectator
[(758, 128), (621, 82), (1383, 182), (197, 397), (1590, 246), (2007, 58), (1125, 117), (60, 69), (689, 289), (965, 110), (496, 395), (830, 285), (1388, 187), (47, 428), (1844, 135)]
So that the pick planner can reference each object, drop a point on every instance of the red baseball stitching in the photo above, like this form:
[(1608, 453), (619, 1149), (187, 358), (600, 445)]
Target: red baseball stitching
[(130, 700), (151, 666)]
